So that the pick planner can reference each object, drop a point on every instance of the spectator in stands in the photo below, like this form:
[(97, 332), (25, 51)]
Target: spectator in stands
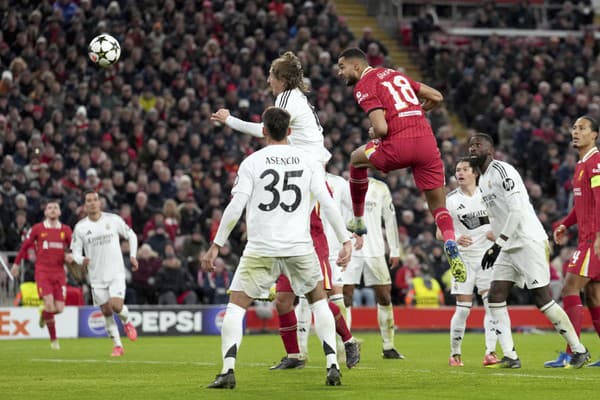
[(425, 291), (214, 284), (173, 282), (144, 279)]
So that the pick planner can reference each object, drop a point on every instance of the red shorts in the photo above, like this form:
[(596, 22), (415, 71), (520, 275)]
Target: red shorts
[(419, 153), (51, 283), (321, 248), (585, 262)]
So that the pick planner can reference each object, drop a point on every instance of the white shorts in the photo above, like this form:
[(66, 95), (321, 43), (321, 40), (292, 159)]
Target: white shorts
[(103, 292), (374, 270), (256, 275), (476, 276), (336, 272), (528, 264)]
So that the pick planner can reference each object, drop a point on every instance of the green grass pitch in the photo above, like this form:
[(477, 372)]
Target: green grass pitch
[(181, 367)]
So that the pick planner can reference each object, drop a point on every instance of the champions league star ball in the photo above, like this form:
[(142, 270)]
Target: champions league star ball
[(104, 50)]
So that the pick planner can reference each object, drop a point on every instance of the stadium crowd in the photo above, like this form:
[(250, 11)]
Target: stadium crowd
[(139, 132)]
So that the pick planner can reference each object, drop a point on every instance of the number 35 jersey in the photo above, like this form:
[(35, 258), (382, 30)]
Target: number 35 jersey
[(281, 181), (396, 94)]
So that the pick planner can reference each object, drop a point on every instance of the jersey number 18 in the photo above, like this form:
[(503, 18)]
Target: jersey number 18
[(405, 92)]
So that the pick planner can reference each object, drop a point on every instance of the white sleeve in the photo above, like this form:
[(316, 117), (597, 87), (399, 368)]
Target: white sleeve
[(513, 197), (390, 222), (77, 246), (250, 128), (319, 189), (126, 232), (230, 217)]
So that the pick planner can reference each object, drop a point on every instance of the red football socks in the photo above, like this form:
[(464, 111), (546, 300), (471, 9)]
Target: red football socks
[(50, 324), (359, 183), (288, 333), (595, 311), (443, 221), (574, 309), (340, 323)]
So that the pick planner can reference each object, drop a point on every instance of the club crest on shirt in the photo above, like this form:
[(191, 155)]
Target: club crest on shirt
[(508, 184), (108, 227), (580, 175), (43, 234), (62, 235)]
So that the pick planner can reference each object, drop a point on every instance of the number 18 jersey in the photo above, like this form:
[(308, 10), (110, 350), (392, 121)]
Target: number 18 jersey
[(396, 94), (280, 180)]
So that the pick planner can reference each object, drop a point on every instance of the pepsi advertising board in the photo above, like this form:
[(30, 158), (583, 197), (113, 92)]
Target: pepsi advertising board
[(158, 321)]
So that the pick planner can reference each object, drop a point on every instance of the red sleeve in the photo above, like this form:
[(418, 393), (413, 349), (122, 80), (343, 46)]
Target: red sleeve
[(366, 96), (68, 236), (27, 244), (594, 173), (570, 219)]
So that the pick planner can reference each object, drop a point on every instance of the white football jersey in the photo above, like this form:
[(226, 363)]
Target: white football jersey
[(307, 133), (278, 179), (100, 242), (340, 189), (470, 217), (378, 205), (503, 190)]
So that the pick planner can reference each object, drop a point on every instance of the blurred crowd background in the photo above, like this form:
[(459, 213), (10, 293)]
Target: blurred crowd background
[(139, 132)]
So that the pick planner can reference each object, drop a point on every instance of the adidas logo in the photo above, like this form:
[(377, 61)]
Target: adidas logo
[(535, 282), (88, 233), (461, 206)]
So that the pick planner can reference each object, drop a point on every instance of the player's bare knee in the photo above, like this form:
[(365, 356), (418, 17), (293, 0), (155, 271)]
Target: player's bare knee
[(318, 293), (284, 302), (541, 296)]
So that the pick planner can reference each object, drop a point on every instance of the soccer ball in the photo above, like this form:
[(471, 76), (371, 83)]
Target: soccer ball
[(104, 50)]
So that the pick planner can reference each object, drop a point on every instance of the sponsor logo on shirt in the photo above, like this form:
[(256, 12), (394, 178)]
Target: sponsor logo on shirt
[(508, 184), (361, 96)]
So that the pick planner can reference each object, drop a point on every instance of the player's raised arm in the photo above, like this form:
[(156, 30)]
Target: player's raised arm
[(430, 96), (223, 116)]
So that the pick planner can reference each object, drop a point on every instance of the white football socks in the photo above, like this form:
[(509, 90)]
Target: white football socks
[(501, 325), (491, 339), (124, 314), (458, 325), (385, 319), (325, 328), (232, 332), (563, 325), (304, 319), (112, 330)]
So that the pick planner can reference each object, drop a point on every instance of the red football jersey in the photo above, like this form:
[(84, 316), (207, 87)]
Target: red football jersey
[(49, 244), (586, 192), (396, 94)]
